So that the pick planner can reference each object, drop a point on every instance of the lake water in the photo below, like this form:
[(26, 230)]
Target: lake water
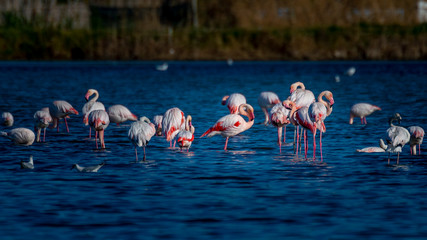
[(251, 191)]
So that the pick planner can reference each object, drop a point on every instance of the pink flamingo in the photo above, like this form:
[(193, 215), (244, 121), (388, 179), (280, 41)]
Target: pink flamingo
[(99, 120), (232, 124), (173, 119), (61, 109), (300, 96), (140, 134), (362, 110), (396, 138), (43, 119), (279, 117), (233, 102), (91, 105), (20, 136), (267, 100), (157, 121), (417, 136), (7, 119), (119, 113), (186, 137)]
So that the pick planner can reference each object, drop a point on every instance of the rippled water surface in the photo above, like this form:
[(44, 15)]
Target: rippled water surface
[(251, 191)]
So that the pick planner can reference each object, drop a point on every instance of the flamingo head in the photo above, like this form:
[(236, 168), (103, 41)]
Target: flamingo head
[(224, 100), (287, 104), (330, 97), (247, 110), (295, 85), (89, 93), (376, 108)]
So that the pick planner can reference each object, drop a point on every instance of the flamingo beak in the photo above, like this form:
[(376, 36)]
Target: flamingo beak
[(331, 101), (87, 96)]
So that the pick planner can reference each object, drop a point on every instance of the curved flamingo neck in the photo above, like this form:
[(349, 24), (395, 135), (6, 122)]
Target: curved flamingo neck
[(292, 113), (246, 112), (95, 97), (187, 123), (326, 104), (299, 84)]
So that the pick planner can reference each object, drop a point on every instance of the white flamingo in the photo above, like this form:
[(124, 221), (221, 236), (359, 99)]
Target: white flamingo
[(267, 100), (140, 133), (362, 110), (232, 124), (186, 137), (20, 136), (279, 117), (7, 119), (233, 102), (157, 121), (91, 105), (42, 121), (119, 113), (396, 138), (61, 109), (300, 96), (417, 136), (99, 120), (173, 119)]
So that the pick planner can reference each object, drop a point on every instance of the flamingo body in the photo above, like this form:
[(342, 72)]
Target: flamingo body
[(157, 121), (61, 109), (140, 133), (267, 100), (371, 149), (119, 113), (396, 137), (186, 136), (99, 120), (279, 117), (7, 119), (20, 136), (417, 136), (173, 119), (233, 102), (42, 121), (362, 110)]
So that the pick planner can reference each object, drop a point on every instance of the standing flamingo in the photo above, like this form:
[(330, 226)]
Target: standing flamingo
[(300, 96), (91, 105), (140, 134), (362, 110), (7, 119), (186, 137), (417, 136), (61, 109), (20, 136), (279, 117), (99, 120), (119, 113), (267, 100), (233, 102), (173, 119), (43, 119), (396, 138), (232, 124), (157, 120)]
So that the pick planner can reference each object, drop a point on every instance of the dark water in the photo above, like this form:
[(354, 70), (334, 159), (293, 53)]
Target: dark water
[(249, 192)]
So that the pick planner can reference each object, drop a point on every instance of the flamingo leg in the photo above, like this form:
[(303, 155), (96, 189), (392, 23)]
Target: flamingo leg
[(321, 155), (90, 133), (284, 135), (279, 137), (297, 131), (361, 120), (365, 121), (57, 127), (38, 135), (302, 129), (44, 135), (174, 142), (96, 139), (397, 163), (411, 150), (136, 154), (419, 149), (388, 159), (101, 138), (266, 116), (226, 142), (170, 143), (305, 144), (144, 154), (66, 124)]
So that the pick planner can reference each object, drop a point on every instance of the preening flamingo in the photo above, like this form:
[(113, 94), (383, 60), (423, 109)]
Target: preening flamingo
[(61, 109), (232, 124), (119, 113), (157, 121), (396, 138), (20, 136), (362, 110), (233, 102), (140, 134), (186, 137), (267, 100), (7, 119), (99, 120), (417, 136), (91, 105), (173, 119), (279, 117), (42, 121)]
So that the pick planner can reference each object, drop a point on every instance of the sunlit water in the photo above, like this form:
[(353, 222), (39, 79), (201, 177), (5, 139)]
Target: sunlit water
[(251, 191)]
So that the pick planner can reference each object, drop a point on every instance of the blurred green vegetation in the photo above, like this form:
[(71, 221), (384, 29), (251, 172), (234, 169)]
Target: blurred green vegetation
[(21, 39)]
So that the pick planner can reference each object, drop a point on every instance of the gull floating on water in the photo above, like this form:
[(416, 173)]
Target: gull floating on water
[(351, 71), (29, 164), (88, 169), (162, 67)]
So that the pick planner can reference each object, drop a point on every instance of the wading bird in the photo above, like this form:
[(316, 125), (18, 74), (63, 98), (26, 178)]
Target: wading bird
[(91, 105), (186, 137), (233, 102), (396, 138), (119, 114), (99, 120), (172, 123), (140, 134), (42, 121), (417, 136), (267, 100), (20, 136), (362, 110), (61, 109)]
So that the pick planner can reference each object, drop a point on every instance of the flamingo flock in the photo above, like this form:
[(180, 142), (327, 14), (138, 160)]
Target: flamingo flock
[(299, 109)]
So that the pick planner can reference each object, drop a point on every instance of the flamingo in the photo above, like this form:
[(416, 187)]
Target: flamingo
[(20, 136), (27, 165), (99, 120), (362, 110), (91, 105), (300, 96), (61, 109), (157, 121), (119, 113), (279, 117), (371, 149), (292, 118), (233, 102), (186, 137), (232, 124), (173, 119), (7, 119), (140, 134), (267, 100), (417, 136), (397, 137), (43, 119), (89, 168)]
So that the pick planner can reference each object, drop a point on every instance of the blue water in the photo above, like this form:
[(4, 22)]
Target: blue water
[(251, 191)]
